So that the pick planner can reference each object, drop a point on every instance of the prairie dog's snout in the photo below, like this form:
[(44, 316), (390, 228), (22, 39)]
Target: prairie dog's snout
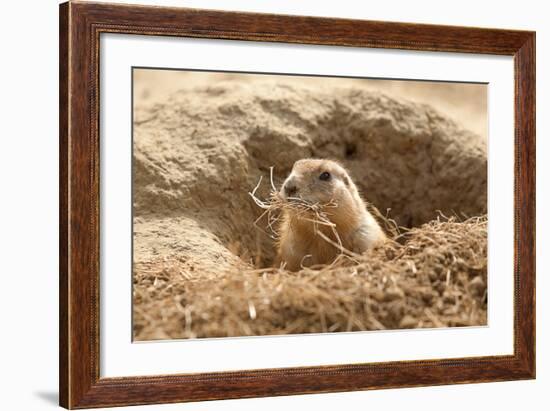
[(322, 182), (289, 188)]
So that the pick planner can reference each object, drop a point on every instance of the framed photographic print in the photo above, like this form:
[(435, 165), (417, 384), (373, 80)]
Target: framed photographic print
[(257, 205)]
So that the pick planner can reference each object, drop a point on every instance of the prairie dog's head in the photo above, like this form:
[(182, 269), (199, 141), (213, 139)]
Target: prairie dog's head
[(318, 181)]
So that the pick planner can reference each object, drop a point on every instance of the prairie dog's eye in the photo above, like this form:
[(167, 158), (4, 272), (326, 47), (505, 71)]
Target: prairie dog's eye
[(325, 176)]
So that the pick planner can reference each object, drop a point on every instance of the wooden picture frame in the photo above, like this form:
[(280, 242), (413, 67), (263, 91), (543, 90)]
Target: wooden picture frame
[(80, 27)]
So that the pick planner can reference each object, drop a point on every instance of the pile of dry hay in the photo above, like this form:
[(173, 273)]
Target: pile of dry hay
[(430, 276)]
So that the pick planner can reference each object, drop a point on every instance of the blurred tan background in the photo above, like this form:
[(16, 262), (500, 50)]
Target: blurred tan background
[(465, 103)]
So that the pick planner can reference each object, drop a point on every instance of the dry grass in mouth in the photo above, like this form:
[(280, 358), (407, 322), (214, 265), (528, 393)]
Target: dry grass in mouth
[(428, 277), (316, 213)]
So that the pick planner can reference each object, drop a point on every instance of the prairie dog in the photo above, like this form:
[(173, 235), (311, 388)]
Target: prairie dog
[(317, 181)]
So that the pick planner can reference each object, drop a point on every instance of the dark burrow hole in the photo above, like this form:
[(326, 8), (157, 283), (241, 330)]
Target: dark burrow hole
[(350, 150)]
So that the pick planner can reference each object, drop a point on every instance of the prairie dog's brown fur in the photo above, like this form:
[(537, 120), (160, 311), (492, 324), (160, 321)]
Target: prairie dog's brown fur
[(321, 182)]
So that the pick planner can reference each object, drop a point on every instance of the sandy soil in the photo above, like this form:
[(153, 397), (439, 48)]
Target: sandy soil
[(201, 142)]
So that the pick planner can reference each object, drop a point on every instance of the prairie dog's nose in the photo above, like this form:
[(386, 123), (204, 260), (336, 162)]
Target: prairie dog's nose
[(290, 189)]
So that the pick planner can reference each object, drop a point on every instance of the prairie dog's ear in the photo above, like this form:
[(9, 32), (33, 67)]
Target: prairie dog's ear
[(346, 180)]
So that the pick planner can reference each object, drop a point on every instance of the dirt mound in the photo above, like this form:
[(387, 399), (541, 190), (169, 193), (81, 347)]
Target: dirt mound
[(437, 278), (198, 153)]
